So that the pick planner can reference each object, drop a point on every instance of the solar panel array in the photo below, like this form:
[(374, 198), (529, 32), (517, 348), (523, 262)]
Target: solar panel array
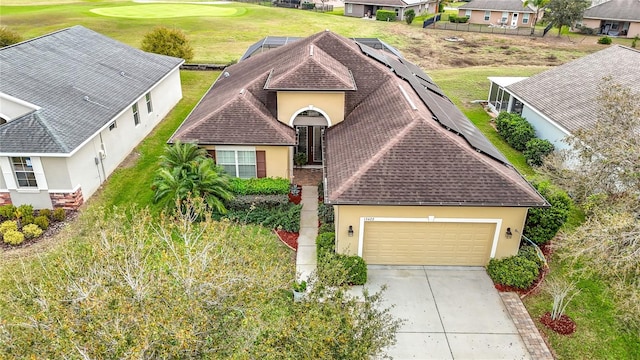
[(443, 110)]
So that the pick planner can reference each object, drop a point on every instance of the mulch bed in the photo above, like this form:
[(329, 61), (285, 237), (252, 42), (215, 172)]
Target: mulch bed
[(563, 325), (54, 228), (288, 238)]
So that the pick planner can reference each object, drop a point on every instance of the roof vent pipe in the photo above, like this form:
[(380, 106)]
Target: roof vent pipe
[(311, 50)]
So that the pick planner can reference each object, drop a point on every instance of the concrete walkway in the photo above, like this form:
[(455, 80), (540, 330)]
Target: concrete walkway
[(306, 259)]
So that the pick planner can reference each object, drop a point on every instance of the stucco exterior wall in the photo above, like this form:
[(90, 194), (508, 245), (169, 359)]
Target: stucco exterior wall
[(477, 17), (3, 184), (357, 10), (634, 29), (350, 215), (279, 160), (591, 23), (290, 103), (57, 173), (545, 129)]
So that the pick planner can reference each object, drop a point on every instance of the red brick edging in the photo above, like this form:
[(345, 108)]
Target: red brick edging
[(534, 342)]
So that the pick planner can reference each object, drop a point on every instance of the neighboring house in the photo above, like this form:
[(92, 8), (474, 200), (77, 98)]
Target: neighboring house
[(511, 13), (73, 104), (560, 101), (368, 8), (412, 181), (614, 17)]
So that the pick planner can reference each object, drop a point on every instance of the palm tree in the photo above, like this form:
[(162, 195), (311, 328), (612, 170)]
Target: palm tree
[(537, 5), (186, 172)]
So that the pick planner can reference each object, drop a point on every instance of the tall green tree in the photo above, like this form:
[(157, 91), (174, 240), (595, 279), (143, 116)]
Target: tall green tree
[(537, 5), (185, 171), (566, 12), (166, 41)]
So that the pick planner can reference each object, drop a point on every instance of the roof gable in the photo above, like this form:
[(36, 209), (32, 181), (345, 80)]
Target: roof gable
[(567, 94), (310, 69), (80, 80)]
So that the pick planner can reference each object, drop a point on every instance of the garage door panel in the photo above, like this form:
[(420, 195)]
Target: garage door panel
[(422, 243)]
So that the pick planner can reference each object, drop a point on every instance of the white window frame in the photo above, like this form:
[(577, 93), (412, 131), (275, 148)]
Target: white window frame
[(236, 164), (25, 163), (136, 114), (525, 18), (149, 102), (505, 17), (467, 13), (487, 15)]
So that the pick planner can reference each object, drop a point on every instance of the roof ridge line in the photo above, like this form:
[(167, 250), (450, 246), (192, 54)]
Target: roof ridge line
[(45, 124), (331, 70), (374, 159)]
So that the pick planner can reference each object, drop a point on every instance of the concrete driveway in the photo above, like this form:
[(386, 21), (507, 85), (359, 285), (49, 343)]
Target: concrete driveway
[(449, 313)]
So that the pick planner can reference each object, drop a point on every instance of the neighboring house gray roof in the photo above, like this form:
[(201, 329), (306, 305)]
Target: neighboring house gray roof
[(567, 94), (401, 141), (497, 5), (80, 79), (628, 10)]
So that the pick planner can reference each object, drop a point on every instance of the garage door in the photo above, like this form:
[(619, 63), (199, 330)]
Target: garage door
[(427, 243)]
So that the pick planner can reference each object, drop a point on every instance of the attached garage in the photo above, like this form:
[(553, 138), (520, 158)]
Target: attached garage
[(427, 243)]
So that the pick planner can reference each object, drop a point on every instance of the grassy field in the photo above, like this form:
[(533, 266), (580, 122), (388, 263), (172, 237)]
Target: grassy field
[(460, 69)]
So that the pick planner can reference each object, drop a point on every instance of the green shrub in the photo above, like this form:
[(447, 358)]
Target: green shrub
[(8, 225), (409, 15), (458, 19), (634, 43), (325, 245), (8, 37), (31, 231), (300, 159), (259, 186), (13, 237), (543, 223), (586, 30), (605, 40), (327, 228), (385, 15), (536, 149), (308, 6), (166, 41), (325, 213), (530, 253), (356, 269), (24, 210), (59, 214), (44, 212), (245, 202), (321, 189), (515, 130), (27, 220), (285, 217), (8, 212), (42, 221), (515, 271)]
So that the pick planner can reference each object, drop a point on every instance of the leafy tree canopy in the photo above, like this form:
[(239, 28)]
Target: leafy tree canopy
[(565, 12), (170, 42)]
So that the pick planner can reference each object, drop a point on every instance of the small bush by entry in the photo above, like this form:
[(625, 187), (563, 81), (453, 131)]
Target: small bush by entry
[(338, 269), (515, 271), (259, 186)]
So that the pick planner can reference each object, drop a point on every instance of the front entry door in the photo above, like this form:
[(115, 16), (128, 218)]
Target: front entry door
[(514, 19), (310, 143)]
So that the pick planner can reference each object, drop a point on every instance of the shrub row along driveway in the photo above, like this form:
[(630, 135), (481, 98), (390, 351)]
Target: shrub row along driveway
[(449, 313)]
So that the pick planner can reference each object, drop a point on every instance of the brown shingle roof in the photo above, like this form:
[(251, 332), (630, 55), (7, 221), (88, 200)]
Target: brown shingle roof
[(388, 150), (312, 69), (567, 93)]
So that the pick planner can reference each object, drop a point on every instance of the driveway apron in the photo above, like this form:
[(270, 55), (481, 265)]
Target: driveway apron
[(449, 313)]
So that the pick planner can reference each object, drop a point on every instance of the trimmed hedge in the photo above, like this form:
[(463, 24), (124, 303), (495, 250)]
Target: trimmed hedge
[(352, 270), (530, 253), (385, 15), (515, 271), (536, 149), (515, 130), (543, 223), (259, 186), (244, 202), (458, 19), (327, 228), (285, 217), (325, 245)]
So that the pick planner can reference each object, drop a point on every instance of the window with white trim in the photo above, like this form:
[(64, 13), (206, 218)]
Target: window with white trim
[(525, 18), (487, 15), (237, 163), (136, 114), (23, 169), (147, 99), (467, 13), (505, 16)]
